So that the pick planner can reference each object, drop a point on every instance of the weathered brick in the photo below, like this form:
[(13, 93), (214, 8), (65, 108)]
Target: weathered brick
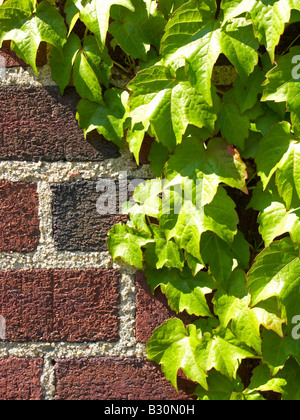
[(114, 379), (19, 222), (77, 226), (151, 311), (20, 379), (60, 305), (37, 123)]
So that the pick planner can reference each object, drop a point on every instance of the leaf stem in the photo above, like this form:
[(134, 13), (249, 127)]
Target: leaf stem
[(121, 67), (290, 46)]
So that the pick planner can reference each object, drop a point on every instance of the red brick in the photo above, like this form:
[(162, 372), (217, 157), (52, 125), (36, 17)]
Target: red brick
[(60, 305), (20, 379), (40, 124), (151, 311), (19, 221), (114, 379)]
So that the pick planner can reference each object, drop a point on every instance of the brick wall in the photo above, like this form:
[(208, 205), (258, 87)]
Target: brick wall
[(73, 324)]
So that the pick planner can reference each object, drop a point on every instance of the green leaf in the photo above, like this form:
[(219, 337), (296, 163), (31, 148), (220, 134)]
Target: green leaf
[(246, 93), (95, 15), (272, 149), (169, 104), (229, 119), (100, 61), (217, 254), (206, 167), (128, 31), (106, 117), (283, 84), (187, 227), (291, 374), (276, 272), (233, 306), (195, 36), (274, 219), (126, 243), (222, 351), (220, 388), (62, 61), (234, 8), (168, 7), (269, 315), (277, 350), (136, 31), (173, 347), (288, 176), (27, 27), (85, 80), (164, 253), (184, 292), (263, 381), (269, 19)]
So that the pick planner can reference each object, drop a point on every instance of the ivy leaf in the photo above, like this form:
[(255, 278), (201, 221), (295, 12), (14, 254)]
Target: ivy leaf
[(277, 350), (288, 176), (85, 80), (125, 243), (184, 292), (168, 7), (276, 272), (95, 15), (136, 31), (219, 216), (107, 116), (263, 381), (291, 374), (206, 167), (272, 148), (269, 315), (283, 85), (274, 219), (27, 26), (246, 93), (220, 388), (233, 306), (90, 65), (222, 351), (100, 61), (62, 62), (217, 254), (169, 104), (164, 253), (127, 29), (194, 35), (234, 8), (173, 347), (229, 119)]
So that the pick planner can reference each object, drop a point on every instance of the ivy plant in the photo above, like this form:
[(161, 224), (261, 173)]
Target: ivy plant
[(218, 229)]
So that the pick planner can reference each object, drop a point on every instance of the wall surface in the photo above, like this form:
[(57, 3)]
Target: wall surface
[(73, 324)]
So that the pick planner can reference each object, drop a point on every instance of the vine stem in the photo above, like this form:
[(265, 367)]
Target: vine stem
[(121, 67), (290, 46)]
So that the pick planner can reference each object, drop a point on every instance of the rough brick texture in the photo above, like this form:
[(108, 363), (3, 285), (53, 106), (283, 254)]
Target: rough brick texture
[(40, 124), (20, 379), (77, 226), (19, 222), (114, 379), (60, 305)]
